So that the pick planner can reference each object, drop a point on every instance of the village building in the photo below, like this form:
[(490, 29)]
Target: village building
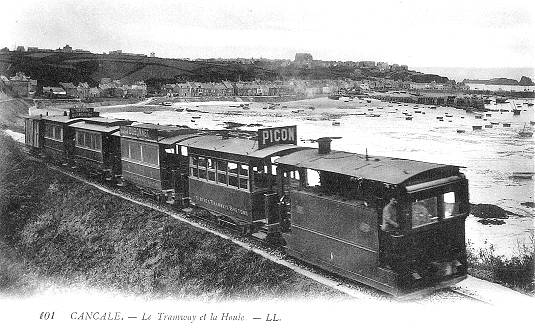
[(183, 89), (54, 92), (137, 90), (83, 90), (229, 88), (21, 85), (69, 88), (383, 66), (303, 60), (94, 92)]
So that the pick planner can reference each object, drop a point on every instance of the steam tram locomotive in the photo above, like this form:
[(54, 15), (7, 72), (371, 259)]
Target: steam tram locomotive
[(324, 206)]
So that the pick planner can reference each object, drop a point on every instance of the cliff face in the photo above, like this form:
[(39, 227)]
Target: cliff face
[(525, 81), (75, 232)]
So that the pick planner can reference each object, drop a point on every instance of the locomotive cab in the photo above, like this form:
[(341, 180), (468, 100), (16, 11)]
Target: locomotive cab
[(335, 216), (430, 247)]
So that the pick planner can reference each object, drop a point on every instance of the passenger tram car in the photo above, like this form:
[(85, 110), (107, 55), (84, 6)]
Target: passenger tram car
[(324, 206)]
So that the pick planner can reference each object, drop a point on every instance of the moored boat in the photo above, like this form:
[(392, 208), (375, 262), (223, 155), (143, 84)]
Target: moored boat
[(522, 175), (525, 132)]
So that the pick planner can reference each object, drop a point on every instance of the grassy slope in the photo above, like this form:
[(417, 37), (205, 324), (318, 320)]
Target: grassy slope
[(11, 112), (74, 232), (50, 69)]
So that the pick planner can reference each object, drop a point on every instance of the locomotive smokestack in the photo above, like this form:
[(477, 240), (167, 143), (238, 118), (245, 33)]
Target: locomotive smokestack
[(324, 145)]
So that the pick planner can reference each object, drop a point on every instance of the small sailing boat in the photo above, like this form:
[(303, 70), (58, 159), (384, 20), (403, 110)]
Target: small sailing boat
[(525, 132)]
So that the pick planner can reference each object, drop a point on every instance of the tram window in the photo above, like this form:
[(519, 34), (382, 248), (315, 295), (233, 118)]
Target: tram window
[(211, 175), (424, 212), (184, 151), (193, 160), (79, 138), (150, 154), (202, 162), (135, 151), (170, 150), (233, 181), (210, 164), (58, 132), (98, 144), (244, 170), (221, 165), (313, 178), (451, 205), (260, 177), (202, 173), (244, 183), (194, 172), (221, 178), (232, 168), (124, 149)]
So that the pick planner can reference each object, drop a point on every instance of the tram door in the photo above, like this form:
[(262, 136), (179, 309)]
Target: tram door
[(288, 179)]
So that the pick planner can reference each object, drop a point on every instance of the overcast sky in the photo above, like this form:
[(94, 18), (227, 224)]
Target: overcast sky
[(418, 33)]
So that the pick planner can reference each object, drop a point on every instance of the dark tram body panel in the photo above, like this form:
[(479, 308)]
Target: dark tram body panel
[(150, 159), (58, 142), (95, 148), (33, 132), (338, 235), (234, 203)]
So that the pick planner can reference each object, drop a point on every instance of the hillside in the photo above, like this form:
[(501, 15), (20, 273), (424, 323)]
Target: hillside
[(50, 68)]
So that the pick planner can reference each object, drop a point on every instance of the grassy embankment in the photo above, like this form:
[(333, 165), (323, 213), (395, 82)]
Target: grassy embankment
[(51, 226), (516, 272), (11, 112)]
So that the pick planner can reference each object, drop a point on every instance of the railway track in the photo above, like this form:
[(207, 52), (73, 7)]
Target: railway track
[(348, 288)]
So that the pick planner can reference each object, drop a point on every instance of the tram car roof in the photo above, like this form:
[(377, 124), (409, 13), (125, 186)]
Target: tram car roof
[(382, 169), (164, 134), (95, 127), (105, 121), (100, 124), (236, 146), (62, 119)]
